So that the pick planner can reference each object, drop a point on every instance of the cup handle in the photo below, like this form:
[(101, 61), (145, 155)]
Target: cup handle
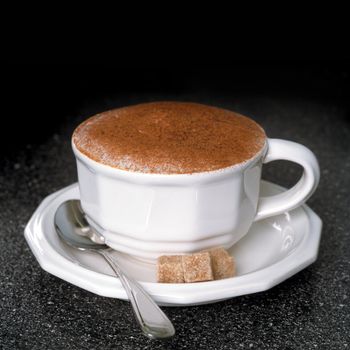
[(292, 198)]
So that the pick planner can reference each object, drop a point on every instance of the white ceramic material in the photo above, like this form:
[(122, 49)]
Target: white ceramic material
[(148, 215), (273, 250)]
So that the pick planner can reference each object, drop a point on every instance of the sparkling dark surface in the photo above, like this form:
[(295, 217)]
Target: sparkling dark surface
[(308, 311)]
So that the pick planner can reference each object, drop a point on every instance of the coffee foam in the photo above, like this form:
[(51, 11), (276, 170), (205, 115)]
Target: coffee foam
[(169, 138)]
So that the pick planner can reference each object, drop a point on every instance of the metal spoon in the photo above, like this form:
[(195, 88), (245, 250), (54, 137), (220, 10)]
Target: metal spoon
[(73, 228)]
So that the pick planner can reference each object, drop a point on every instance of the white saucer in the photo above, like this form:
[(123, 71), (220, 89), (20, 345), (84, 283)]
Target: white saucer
[(273, 250)]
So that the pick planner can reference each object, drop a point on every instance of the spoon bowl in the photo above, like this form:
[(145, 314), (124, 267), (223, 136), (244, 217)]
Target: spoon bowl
[(73, 227)]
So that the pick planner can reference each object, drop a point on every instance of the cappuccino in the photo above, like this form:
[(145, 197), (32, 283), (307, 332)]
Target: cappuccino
[(169, 138)]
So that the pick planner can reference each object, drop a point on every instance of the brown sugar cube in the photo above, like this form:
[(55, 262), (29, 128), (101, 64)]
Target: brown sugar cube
[(222, 263), (197, 267), (169, 269)]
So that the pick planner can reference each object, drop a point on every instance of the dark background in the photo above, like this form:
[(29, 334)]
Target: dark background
[(37, 99), (303, 101)]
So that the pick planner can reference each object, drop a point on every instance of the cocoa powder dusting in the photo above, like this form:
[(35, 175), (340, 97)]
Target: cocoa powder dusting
[(169, 138)]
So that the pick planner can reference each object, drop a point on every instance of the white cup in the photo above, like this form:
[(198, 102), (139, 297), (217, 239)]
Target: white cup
[(148, 215)]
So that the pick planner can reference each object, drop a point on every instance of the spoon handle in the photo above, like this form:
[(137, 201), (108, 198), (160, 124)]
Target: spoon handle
[(152, 320)]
